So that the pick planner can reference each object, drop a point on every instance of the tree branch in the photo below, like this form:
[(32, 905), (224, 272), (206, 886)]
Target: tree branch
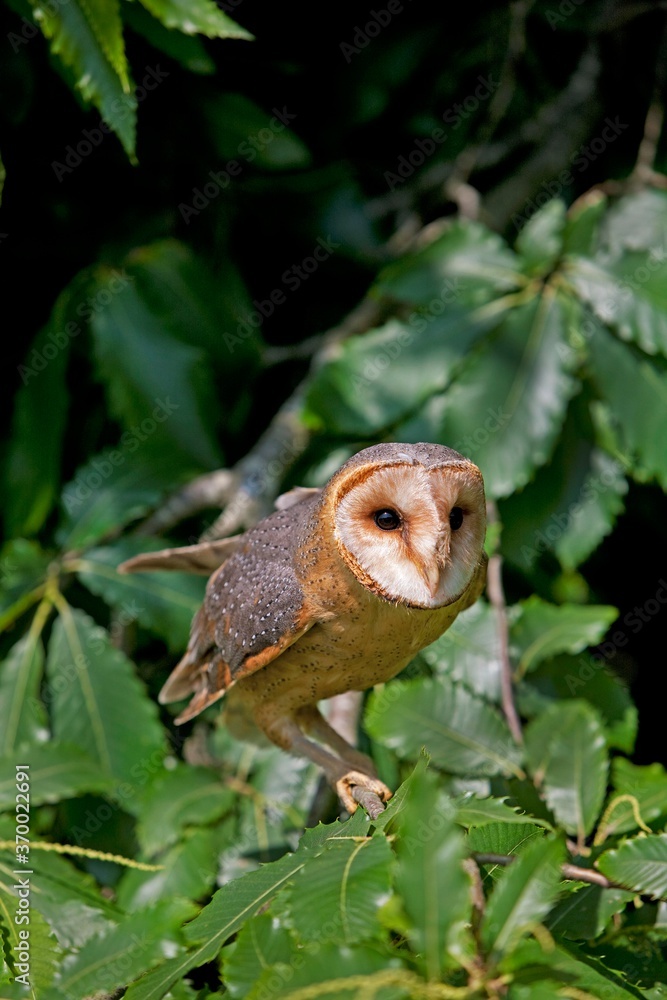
[(246, 492), (568, 871), (494, 588)]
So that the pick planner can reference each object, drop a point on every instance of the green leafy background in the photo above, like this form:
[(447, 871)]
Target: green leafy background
[(172, 172)]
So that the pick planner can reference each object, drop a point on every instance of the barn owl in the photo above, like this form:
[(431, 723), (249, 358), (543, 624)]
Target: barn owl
[(337, 590)]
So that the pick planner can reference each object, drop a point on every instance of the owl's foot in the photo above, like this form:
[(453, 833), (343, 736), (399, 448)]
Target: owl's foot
[(358, 789)]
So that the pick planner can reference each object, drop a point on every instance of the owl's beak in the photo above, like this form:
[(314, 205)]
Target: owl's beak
[(430, 572)]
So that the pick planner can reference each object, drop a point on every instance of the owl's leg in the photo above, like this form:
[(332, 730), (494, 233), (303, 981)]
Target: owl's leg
[(314, 722), (345, 773)]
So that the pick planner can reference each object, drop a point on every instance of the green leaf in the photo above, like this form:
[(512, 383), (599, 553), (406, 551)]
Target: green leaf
[(188, 50), (541, 630), (636, 390), (569, 507), (624, 282), (376, 380), (238, 900), (57, 771), (572, 502), (45, 955), (469, 264), (647, 784), (229, 909), (583, 223), (175, 799), (323, 969), (195, 17), (158, 387), (638, 958), (337, 894), (111, 960), (260, 944), (469, 651), (635, 308), (22, 715), (399, 801), (32, 474), (472, 811), (97, 701), (89, 40), (565, 749), (23, 569), (200, 308), (242, 131), (635, 222), (503, 838), (189, 870), (585, 914), (434, 887), (112, 489), (159, 981), (523, 896), (639, 864), (165, 603), (69, 900), (540, 242), (567, 965), (507, 407), (588, 677), (462, 733)]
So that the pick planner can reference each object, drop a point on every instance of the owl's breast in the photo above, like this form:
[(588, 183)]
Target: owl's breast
[(359, 640)]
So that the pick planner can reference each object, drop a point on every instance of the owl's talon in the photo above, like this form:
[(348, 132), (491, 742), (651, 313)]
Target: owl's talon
[(358, 789)]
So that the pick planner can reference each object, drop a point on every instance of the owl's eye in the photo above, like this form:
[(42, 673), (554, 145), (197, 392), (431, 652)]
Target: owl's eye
[(455, 518), (387, 519)]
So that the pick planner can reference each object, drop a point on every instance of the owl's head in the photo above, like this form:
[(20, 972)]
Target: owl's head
[(409, 521)]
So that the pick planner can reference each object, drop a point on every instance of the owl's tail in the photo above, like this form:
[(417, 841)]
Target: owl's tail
[(201, 672)]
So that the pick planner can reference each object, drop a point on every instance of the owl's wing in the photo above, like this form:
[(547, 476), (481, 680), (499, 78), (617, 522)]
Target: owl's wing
[(203, 558), (254, 609), (296, 495)]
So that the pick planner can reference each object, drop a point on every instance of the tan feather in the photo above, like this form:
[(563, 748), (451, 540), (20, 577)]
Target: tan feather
[(203, 558)]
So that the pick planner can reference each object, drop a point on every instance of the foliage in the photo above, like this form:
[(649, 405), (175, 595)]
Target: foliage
[(179, 862)]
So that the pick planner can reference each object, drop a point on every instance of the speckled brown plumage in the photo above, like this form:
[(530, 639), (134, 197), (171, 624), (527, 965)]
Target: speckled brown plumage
[(318, 599)]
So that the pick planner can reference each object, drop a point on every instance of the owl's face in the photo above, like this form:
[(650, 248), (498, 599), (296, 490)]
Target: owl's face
[(412, 530)]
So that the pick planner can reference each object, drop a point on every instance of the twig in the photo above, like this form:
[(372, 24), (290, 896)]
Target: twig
[(368, 800), (557, 131), (568, 871), (494, 587), (458, 188), (247, 491)]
